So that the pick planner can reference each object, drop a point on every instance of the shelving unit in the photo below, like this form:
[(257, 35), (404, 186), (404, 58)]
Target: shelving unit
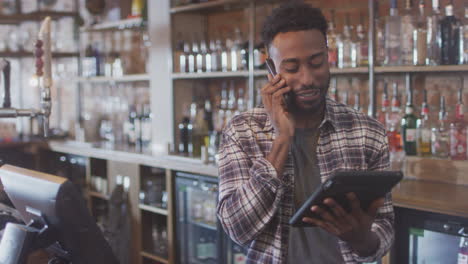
[(115, 25), (153, 209), (208, 6), (124, 78), (26, 54), (153, 257), (35, 16)]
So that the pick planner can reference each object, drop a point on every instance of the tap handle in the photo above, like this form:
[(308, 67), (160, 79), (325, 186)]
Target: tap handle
[(6, 77)]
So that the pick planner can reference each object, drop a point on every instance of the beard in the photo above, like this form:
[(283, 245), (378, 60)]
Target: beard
[(318, 104)]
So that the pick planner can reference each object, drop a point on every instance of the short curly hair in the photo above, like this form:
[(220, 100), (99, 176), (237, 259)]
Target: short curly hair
[(293, 16)]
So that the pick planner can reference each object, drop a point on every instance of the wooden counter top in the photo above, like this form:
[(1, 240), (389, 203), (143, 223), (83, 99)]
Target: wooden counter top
[(443, 198)]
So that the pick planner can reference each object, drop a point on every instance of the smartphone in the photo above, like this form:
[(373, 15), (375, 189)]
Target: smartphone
[(287, 97)]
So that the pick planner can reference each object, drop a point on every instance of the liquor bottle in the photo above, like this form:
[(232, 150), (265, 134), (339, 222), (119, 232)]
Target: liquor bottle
[(191, 57), (206, 51), (225, 54), (259, 56), (213, 56), (440, 144), (434, 40), (458, 132), (464, 36), (407, 29), (357, 101), (346, 98), (241, 106), (393, 123), (220, 117), (89, 62), (179, 55), (231, 102), (408, 126), (200, 56), (383, 114), (424, 130), (463, 251), (392, 36), (238, 52), (362, 44), (208, 116), (146, 131), (129, 126), (184, 136), (420, 37), (379, 38), (334, 90), (332, 39), (450, 34), (217, 55), (194, 142), (345, 46)]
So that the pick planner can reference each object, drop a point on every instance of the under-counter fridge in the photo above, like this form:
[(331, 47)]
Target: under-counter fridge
[(200, 237)]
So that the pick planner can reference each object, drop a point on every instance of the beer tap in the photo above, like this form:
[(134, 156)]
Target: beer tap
[(43, 68)]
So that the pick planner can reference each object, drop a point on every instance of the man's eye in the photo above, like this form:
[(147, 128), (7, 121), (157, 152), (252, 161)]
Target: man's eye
[(317, 61), (291, 69)]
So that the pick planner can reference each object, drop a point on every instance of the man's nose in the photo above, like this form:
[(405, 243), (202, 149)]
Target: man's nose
[(307, 77)]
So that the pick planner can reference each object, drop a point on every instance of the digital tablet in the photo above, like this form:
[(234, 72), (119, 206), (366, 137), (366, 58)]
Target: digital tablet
[(367, 185)]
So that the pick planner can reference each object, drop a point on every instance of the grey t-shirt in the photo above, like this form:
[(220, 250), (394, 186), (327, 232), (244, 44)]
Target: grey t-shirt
[(309, 245)]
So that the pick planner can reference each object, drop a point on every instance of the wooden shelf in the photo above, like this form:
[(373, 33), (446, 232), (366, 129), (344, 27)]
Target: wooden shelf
[(125, 78), (415, 69), (208, 6), (135, 23), (26, 54), (35, 16), (98, 195), (201, 224), (152, 209), (153, 257), (209, 75)]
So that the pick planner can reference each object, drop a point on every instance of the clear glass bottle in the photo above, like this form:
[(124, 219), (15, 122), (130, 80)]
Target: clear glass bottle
[(201, 56), (407, 29), (345, 46), (357, 101), (424, 129), (241, 104), (450, 36), (420, 37), (332, 42), (213, 56), (238, 52), (393, 123), (362, 44), (225, 54), (458, 131), (334, 90), (384, 111), (191, 57), (465, 37), (392, 36), (179, 55), (463, 250), (434, 40), (408, 126), (440, 137)]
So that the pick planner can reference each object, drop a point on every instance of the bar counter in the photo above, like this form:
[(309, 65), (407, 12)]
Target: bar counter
[(413, 192)]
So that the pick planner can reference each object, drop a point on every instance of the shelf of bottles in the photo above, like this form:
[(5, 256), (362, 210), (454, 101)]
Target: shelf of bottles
[(150, 256), (155, 237), (123, 78), (180, 6), (128, 23)]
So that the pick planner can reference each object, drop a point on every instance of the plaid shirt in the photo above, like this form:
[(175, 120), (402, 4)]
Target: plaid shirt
[(255, 204)]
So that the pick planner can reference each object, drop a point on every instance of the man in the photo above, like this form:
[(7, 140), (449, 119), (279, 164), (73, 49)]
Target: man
[(272, 158)]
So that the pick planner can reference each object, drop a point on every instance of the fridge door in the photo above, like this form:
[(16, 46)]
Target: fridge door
[(198, 233)]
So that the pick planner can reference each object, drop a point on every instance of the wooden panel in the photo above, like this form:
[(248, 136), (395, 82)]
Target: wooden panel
[(446, 171), (130, 170), (170, 188), (430, 196)]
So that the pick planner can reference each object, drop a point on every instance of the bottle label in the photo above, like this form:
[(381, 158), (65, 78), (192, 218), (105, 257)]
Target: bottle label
[(239, 258), (426, 135), (462, 258), (410, 135)]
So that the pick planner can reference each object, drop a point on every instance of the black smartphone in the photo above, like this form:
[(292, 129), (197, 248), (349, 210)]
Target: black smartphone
[(271, 69)]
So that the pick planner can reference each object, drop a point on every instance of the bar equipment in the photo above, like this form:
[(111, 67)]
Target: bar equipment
[(44, 74)]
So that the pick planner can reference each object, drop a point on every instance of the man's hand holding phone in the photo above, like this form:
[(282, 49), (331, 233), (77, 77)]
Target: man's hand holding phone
[(273, 101)]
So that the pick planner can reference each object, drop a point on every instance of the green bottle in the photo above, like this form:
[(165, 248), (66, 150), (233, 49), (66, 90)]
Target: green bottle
[(408, 127)]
